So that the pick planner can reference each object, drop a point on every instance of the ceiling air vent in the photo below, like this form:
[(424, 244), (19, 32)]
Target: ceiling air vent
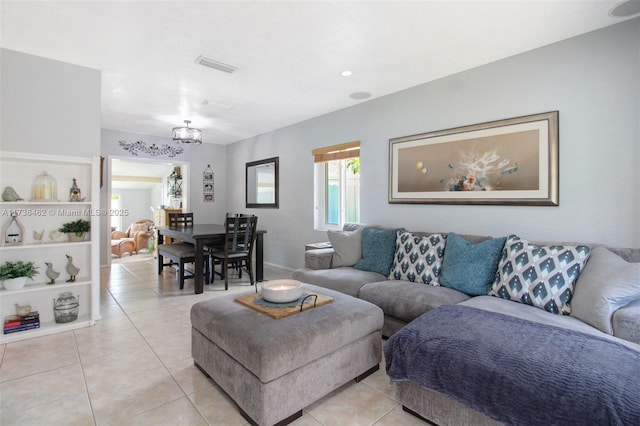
[(216, 65)]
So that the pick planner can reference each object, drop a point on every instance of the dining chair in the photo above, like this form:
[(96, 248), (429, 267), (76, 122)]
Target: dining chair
[(178, 252), (180, 219), (239, 239)]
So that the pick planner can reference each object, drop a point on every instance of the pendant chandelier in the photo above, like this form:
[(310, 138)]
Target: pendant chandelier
[(187, 135)]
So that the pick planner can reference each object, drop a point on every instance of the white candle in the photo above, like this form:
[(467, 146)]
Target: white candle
[(282, 287), (37, 192)]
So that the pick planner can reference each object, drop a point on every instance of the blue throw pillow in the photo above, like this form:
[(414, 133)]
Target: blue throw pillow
[(378, 248), (468, 267)]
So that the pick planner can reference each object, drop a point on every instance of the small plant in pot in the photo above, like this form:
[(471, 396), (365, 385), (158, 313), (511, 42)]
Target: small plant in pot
[(14, 274), (76, 230)]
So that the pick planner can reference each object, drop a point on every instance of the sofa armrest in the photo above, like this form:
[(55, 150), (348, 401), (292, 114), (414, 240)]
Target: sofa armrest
[(118, 235), (626, 322), (318, 259)]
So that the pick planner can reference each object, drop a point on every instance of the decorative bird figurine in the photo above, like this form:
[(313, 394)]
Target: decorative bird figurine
[(72, 269), (51, 273), (10, 194), (55, 235), (38, 236)]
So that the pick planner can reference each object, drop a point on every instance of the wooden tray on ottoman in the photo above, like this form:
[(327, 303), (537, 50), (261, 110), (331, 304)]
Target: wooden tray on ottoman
[(286, 309)]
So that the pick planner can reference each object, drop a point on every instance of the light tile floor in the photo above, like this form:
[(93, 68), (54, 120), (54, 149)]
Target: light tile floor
[(134, 367)]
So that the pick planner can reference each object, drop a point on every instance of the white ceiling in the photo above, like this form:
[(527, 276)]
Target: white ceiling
[(289, 54)]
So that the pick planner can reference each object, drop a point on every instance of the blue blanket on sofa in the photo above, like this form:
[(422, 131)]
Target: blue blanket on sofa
[(518, 371)]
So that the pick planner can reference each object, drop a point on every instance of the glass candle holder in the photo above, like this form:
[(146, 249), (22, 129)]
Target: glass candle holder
[(44, 188)]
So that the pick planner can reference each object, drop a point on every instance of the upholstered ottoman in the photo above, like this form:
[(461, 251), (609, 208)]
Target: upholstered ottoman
[(273, 368), (122, 246)]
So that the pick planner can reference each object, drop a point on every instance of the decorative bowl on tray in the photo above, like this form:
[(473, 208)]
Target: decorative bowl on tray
[(281, 291)]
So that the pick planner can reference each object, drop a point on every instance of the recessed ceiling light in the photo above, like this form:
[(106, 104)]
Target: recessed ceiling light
[(360, 95), (346, 73), (625, 8)]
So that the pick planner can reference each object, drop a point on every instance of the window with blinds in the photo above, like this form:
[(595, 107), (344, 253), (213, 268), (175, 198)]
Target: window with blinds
[(337, 185), (337, 152)]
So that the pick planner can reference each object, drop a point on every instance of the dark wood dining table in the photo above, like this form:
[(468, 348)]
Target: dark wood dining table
[(199, 235)]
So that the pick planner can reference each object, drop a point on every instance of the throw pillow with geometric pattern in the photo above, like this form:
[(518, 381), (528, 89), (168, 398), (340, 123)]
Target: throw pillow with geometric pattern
[(541, 276), (418, 258)]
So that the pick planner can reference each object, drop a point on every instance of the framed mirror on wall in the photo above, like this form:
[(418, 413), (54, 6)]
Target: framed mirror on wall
[(262, 183)]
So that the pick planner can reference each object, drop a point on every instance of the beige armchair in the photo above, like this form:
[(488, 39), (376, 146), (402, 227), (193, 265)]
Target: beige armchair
[(139, 232)]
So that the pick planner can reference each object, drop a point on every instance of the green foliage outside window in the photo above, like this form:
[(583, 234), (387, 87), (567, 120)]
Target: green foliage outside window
[(353, 164)]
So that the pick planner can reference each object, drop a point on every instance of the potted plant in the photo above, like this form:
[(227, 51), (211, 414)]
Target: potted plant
[(14, 274), (76, 230)]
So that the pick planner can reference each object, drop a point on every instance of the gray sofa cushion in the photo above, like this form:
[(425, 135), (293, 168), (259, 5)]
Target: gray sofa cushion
[(607, 283), (532, 313), (628, 254), (318, 258), (345, 280), (469, 237), (347, 246), (626, 322), (405, 300)]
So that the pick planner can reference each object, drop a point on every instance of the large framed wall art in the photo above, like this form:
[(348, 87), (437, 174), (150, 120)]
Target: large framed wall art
[(505, 162)]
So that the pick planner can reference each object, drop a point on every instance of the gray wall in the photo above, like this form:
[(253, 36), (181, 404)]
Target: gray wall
[(48, 107), (592, 80), (137, 202)]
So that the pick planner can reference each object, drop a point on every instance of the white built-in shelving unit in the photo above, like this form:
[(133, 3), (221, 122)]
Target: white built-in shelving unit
[(19, 170)]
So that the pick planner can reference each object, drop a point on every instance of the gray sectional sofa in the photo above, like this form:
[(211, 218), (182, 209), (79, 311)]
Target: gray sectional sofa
[(601, 302)]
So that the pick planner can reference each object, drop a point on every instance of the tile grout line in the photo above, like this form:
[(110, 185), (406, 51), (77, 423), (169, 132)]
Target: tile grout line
[(84, 379)]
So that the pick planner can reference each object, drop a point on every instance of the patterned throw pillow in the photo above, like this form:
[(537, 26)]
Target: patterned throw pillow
[(540, 276), (418, 258)]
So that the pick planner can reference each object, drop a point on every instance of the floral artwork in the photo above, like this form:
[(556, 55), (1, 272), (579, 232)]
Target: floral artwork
[(488, 165), (477, 165), (477, 172)]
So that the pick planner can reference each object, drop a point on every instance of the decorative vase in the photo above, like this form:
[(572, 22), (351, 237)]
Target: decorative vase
[(66, 307), (56, 236), (14, 283), (74, 237)]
